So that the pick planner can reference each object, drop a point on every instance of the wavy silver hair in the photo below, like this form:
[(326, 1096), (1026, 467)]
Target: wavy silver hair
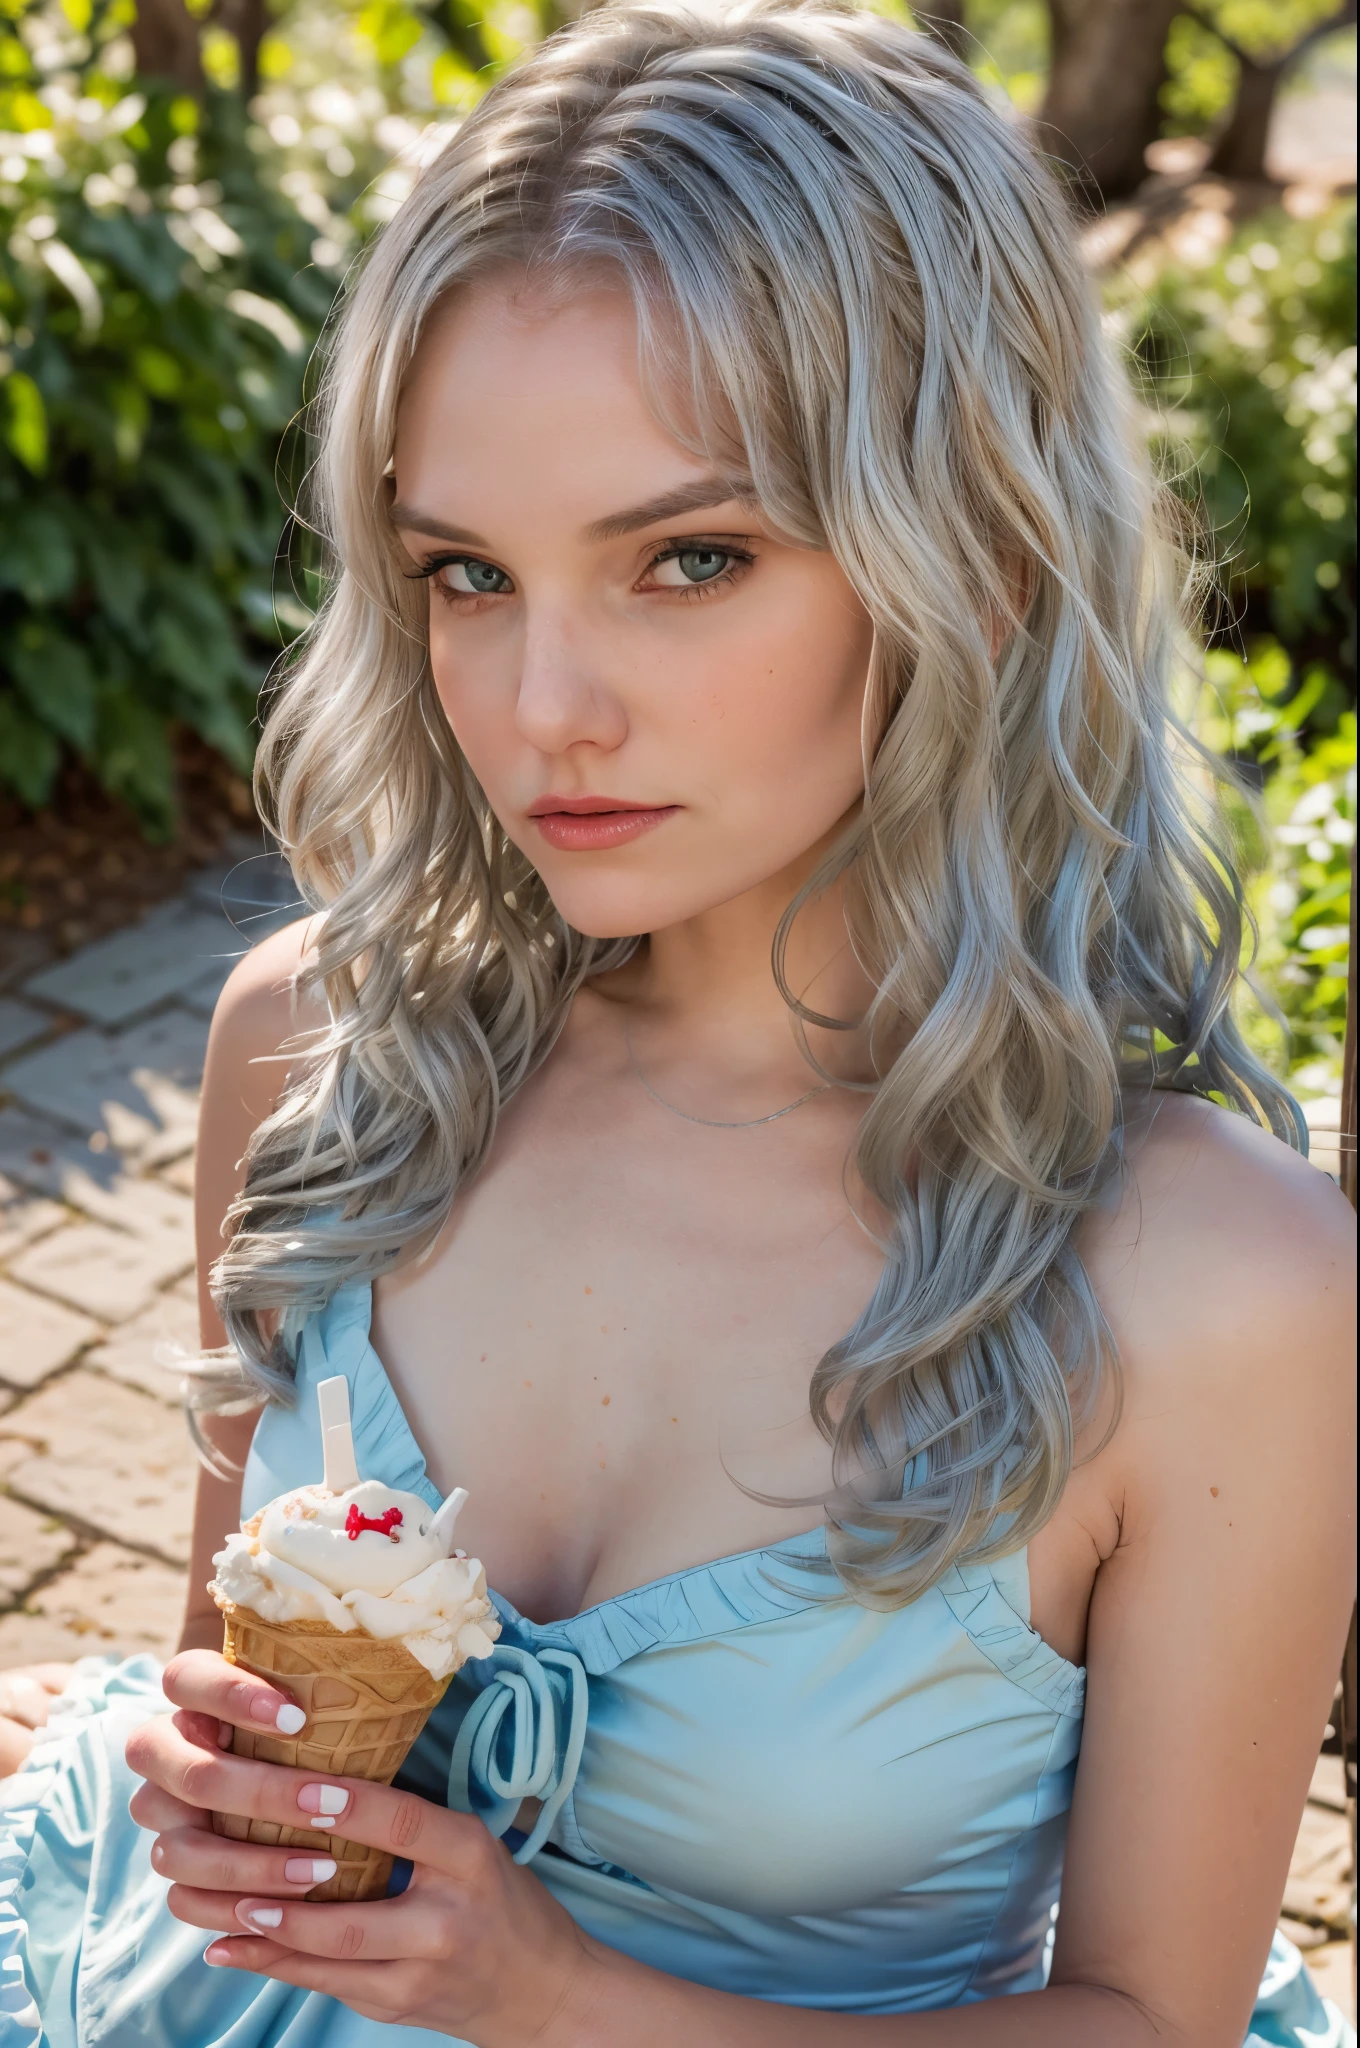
[(859, 280)]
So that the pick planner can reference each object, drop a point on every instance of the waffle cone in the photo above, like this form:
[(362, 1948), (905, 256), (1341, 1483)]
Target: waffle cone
[(366, 1702)]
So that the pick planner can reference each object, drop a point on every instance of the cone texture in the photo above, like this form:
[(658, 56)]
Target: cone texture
[(365, 1701)]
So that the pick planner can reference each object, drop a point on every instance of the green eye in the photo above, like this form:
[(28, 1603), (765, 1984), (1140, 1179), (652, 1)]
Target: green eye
[(701, 565), (467, 577)]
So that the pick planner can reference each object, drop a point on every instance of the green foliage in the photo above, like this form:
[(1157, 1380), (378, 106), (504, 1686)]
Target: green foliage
[(1010, 47), (1251, 363), (1201, 70), (155, 315), (1294, 846)]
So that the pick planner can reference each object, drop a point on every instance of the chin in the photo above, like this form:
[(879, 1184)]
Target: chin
[(606, 920), (624, 911)]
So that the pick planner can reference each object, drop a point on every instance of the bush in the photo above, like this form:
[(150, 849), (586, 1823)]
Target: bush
[(1249, 365), (1294, 849), (156, 311)]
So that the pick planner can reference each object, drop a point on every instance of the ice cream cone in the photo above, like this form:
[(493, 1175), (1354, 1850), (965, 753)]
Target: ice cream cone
[(365, 1700)]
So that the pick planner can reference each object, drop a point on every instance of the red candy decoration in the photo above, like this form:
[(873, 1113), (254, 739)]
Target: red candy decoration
[(384, 1524)]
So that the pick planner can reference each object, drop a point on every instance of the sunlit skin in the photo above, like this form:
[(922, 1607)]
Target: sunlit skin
[(688, 662), (621, 1316)]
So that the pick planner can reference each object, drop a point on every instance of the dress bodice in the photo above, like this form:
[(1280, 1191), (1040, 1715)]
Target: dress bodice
[(746, 1780)]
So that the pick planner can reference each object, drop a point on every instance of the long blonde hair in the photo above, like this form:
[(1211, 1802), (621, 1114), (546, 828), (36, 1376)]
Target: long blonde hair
[(858, 278)]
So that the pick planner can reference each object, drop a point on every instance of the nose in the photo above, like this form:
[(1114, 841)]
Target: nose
[(565, 699)]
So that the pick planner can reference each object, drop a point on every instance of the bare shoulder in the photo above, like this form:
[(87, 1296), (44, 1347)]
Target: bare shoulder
[(261, 1022), (1225, 1264), (261, 1019), (259, 1003)]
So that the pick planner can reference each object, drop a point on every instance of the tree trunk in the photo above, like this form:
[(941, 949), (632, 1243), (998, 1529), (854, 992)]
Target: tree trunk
[(1240, 151), (165, 39), (1101, 110), (247, 20)]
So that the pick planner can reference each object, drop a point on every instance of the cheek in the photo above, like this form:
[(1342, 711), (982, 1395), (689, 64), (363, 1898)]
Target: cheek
[(788, 707), (474, 682)]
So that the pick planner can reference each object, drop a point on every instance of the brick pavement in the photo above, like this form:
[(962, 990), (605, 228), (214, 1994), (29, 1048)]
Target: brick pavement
[(100, 1059)]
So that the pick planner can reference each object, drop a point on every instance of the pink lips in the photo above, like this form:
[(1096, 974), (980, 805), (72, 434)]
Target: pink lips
[(590, 824)]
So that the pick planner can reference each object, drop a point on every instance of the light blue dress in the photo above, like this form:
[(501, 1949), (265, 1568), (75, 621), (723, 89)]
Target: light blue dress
[(744, 1783)]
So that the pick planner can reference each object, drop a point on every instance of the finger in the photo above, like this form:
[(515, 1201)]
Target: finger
[(204, 1683), (213, 1863), (164, 1747), (24, 1697), (56, 1677), (204, 1730), (365, 1987), (416, 1926), (159, 1811), (349, 1808)]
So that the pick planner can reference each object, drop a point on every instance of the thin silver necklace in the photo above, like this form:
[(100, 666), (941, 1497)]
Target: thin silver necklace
[(715, 1123)]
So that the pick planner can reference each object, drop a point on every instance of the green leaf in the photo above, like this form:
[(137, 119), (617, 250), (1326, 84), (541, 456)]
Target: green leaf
[(37, 557), (29, 755), (119, 581), (132, 751), (26, 425), (55, 676), (157, 369)]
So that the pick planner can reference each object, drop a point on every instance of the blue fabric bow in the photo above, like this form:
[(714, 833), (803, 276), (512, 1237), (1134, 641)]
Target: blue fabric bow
[(521, 1738)]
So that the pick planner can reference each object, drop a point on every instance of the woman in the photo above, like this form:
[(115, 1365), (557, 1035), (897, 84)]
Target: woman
[(874, 1295)]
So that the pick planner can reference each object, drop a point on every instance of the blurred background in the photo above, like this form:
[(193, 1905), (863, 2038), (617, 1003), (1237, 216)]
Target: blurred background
[(183, 186)]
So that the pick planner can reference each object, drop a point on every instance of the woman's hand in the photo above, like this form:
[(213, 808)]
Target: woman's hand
[(475, 1947), (25, 1697)]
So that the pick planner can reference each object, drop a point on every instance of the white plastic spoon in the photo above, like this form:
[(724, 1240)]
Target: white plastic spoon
[(337, 1441), (445, 1517)]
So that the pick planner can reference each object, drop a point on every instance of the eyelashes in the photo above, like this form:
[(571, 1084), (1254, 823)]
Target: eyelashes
[(739, 560)]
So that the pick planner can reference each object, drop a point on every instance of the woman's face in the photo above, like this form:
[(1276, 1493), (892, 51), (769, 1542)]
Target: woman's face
[(660, 697)]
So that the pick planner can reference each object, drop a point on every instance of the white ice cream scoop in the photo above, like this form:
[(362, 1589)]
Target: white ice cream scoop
[(352, 1534), (371, 1538)]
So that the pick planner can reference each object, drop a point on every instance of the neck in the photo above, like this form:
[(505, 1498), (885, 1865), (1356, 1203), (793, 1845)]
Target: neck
[(704, 997)]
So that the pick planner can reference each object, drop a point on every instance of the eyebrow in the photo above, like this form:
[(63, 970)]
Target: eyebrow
[(699, 496)]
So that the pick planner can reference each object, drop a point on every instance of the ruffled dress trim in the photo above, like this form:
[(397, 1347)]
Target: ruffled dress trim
[(1007, 1640), (95, 1683)]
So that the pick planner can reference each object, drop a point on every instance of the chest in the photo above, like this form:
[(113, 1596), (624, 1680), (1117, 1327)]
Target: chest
[(612, 1340)]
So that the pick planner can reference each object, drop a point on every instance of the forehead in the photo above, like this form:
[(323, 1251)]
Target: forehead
[(518, 392)]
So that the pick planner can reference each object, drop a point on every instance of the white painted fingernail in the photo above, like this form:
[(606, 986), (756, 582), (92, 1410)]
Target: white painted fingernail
[(260, 1916), (322, 1820), (309, 1869), (323, 1799), (289, 1719)]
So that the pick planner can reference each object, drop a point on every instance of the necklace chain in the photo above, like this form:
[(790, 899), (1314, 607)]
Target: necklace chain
[(714, 1123)]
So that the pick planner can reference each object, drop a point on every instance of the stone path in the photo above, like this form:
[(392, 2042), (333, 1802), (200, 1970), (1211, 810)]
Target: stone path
[(100, 1060)]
